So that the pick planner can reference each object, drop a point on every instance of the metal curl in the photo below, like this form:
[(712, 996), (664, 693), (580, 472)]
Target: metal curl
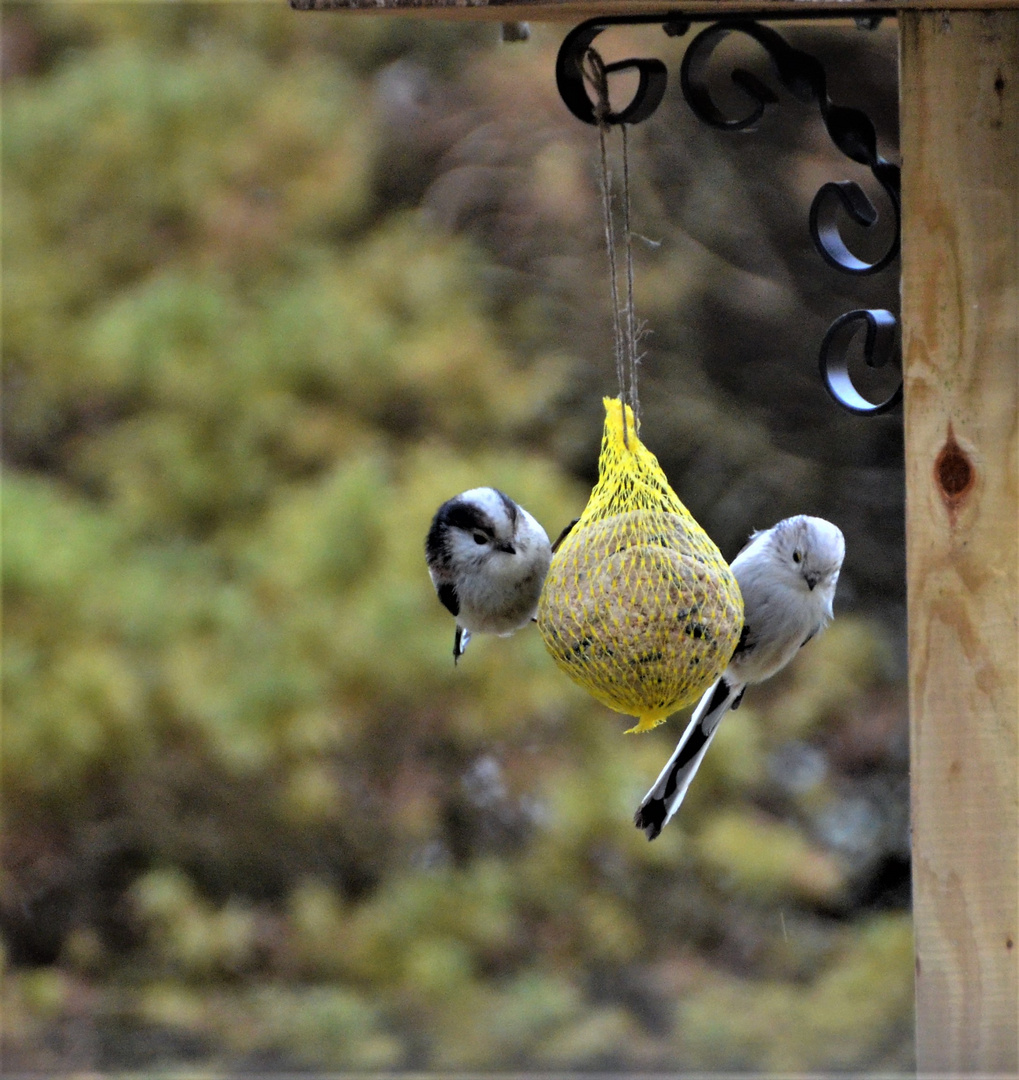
[(879, 346), (694, 69), (849, 129), (653, 74)]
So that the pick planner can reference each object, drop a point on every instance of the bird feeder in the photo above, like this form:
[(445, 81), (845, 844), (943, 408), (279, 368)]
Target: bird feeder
[(639, 606)]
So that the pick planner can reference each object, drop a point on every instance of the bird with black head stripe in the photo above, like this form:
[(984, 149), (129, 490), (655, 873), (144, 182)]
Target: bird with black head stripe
[(487, 558)]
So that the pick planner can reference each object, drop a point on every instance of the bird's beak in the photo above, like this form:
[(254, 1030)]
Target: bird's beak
[(511, 550), (811, 580)]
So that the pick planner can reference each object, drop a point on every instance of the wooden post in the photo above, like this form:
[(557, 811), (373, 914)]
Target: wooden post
[(959, 89)]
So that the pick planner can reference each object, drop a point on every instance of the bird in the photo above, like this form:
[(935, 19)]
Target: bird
[(487, 558), (787, 575)]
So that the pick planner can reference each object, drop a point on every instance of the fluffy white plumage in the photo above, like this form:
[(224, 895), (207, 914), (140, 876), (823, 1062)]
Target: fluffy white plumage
[(787, 575), (487, 558)]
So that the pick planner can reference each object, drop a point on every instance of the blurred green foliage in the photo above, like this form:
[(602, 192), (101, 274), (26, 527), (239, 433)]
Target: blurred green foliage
[(254, 818)]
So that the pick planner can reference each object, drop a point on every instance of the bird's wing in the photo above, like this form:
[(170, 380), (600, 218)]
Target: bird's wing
[(447, 594), (746, 642), (562, 536)]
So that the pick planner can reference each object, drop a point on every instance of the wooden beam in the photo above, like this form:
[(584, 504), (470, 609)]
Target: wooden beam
[(959, 89), (578, 10)]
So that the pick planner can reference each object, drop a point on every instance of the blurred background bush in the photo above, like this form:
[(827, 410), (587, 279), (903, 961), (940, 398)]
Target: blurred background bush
[(275, 285)]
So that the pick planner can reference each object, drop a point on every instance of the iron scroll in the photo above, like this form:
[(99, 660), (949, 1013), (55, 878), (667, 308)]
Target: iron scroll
[(850, 129)]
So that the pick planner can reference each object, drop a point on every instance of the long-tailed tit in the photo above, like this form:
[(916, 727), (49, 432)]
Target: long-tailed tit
[(487, 557), (787, 575)]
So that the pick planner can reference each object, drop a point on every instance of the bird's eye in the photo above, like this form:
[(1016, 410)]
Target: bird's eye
[(480, 538), (797, 556)]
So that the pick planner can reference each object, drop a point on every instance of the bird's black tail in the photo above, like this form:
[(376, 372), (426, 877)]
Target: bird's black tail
[(669, 790)]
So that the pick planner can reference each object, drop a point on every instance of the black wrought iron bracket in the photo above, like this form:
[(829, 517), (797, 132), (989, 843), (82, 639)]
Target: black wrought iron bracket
[(850, 130)]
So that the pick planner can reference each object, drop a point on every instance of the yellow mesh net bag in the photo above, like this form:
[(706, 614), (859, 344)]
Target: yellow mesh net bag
[(639, 607)]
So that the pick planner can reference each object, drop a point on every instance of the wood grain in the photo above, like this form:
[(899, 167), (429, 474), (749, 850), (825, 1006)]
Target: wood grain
[(578, 10), (959, 92)]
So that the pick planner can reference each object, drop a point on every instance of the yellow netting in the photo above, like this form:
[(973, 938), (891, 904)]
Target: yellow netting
[(639, 606)]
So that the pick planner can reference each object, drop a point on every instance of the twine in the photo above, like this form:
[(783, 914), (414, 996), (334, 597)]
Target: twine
[(626, 355)]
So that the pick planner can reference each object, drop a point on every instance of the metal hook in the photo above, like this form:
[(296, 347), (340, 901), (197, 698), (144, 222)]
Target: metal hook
[(851, 130), (879, 346), (653, 75)]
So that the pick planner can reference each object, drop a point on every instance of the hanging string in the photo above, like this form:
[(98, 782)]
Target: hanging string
[(632, 332), (625, 340), (594, 73)]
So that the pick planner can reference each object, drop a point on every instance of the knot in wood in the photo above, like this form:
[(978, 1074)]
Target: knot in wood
[(954, 473)]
